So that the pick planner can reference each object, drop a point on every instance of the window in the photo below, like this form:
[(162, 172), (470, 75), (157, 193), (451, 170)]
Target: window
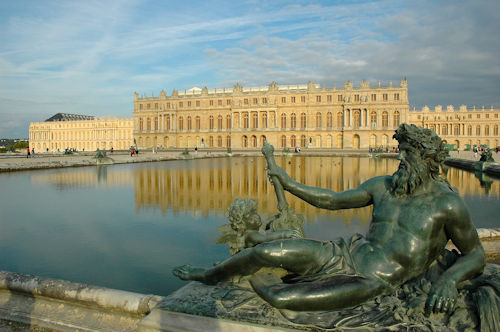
[(385, 119), (293, 142), (495, 130), (228, 122), (292, 99), (487, 116), (396, 119), (181, 123), (318, 99), (211, 103), (486, 130), (219, 122), (470, 116), (245, 120), (197, 103), (228, 102), (189, 103), (167, 122), (149, 106), (156, 106), (329, 120), (228, 141), (396, 96), (211, 141), (156, 123), (293, 121), (255, 120), (356, 98), (373, 119), (148, 124), (303, 141), (339, 98), (340, 119), (140, 106), (374, 97), (283, 100), (384, 97), (141, 124), (357, 119), (168, 105), (302, 99), (329, 98), (244, 142), (283, 141), (469, 130), (478, 130), (211, 122), (264, 100), (198, 123), (219, 102), (318, 120), (255, 101), (181, 104), (245, 101), (303, 122), (263, 117), (189, 125), (283, 120), (219, 141)]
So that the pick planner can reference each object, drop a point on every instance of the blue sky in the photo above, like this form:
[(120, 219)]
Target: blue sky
[(89, 57)]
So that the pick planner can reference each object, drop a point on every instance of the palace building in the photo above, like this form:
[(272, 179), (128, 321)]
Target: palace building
[(80, 132), (463, 127), (306, 116)]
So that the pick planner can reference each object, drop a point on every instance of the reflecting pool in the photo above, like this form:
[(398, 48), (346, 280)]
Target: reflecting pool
[(126, 226)]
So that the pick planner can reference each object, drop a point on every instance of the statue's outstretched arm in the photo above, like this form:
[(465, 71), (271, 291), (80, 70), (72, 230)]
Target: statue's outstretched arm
[(443, 294)]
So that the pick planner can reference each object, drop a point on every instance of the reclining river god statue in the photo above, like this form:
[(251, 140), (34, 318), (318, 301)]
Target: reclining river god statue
[(415, 214)]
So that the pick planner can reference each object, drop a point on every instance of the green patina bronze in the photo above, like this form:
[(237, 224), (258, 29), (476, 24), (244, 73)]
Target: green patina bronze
[(415, 213)]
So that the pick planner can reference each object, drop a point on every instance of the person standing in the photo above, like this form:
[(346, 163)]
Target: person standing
[(28, 152)]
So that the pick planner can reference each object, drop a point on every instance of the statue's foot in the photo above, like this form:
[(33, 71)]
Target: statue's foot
[(188, 272)]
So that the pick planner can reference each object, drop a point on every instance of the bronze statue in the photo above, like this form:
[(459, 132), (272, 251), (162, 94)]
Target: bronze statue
[(415, 214)]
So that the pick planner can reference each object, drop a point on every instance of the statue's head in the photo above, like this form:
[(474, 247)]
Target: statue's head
[(243, 215), (422, 153)]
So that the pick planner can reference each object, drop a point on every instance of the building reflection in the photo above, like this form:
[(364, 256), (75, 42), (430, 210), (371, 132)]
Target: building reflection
[(202, 187)]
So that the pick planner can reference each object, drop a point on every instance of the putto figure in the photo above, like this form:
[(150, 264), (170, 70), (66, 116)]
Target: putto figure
[(415, 214)]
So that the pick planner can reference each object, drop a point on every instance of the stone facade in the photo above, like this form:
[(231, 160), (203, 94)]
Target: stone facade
[(461, 127), (83, 133), (306, 116)]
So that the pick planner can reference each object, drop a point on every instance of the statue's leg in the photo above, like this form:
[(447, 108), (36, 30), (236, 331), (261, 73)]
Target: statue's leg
[(337, 292), (296, 255)]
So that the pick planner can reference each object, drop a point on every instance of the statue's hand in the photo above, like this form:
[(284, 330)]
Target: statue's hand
[(290, 234), (278, 172), (267, 149), (442, 297)]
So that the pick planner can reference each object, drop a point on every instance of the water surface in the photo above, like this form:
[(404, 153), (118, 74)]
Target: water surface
[(127, 226)]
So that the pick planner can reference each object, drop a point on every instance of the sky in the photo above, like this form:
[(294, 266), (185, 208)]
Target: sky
[(89, 57)]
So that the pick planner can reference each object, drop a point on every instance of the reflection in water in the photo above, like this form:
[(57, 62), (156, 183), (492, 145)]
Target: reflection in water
[(210, 185)]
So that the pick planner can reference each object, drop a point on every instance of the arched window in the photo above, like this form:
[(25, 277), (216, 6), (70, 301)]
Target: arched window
[(156, 123), (385, 119), (254, 141), (148, 124), (244, 141), (329, 120), (228, 122), (486, 130), (262, 140), (219, 141), (255, 120), (357, 119), (444, 130), (373, 141), (318, 120), (293, 120), (141, 124), (211, 122), (469, 130), (293, 142), (340, 119), (263, 117), (396, 119), (245, 120), (198, 122), (228, 141), (219, 124), (478, 130), (181, 123), (283, 120), (189, 125), (456, 130), (373, 119), (303, 141), (303, 121), (211, 141), (283, 141), (495, 130)]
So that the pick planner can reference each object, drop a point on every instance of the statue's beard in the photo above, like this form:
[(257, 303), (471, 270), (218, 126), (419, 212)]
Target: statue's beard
[(407, 178)]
